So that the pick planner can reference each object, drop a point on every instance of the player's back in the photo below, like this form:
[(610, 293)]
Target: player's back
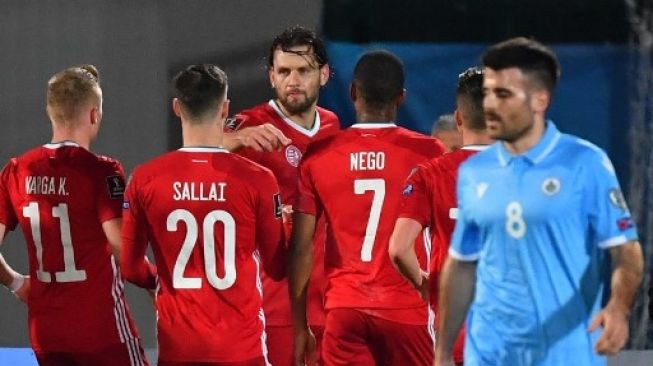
[(203, 209), (61, 194), (358, 178)]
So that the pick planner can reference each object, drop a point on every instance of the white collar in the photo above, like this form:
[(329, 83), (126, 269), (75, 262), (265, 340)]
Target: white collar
[(374, 125), (293, 124)]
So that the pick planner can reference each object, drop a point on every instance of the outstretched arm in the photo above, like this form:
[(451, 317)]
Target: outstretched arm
[(457, 284), (264, 137), (628, 266)]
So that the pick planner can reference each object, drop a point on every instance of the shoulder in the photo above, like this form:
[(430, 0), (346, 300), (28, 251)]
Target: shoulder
[(419, 142), (316, 148), (155, 166), (327, 116), (583, 154), (257, 115), (110, 164)]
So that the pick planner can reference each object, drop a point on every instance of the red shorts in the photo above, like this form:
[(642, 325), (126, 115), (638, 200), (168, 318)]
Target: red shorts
[(260, 361), (355, 338), (119, 354), (280, 344)]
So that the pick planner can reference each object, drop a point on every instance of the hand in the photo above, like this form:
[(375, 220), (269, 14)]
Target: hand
[(615, 329), (264, 137), (286, 214), (304, 348), (424, 287), (22, 293)]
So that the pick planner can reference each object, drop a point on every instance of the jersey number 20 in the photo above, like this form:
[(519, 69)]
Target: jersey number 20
[(178, 279)]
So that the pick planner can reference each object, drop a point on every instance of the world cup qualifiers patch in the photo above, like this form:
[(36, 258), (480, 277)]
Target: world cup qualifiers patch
[(408, 190), (277, 205), (115, 186), (233, 123), (625, 223), (617, 199)]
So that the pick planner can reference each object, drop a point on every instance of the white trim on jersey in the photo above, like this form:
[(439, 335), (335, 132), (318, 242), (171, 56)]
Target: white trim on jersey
[(120, 313), (305, 131), (56, 145), (261, 315), (426, 235), (613, 242), (203, 149), (549, 148), (367, 125), (475, 147), (464, 258)]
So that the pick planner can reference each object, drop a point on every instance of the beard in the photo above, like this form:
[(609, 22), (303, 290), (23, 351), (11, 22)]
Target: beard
[(297, 106), (498, 130)]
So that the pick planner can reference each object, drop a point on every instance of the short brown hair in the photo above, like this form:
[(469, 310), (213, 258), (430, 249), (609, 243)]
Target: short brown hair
[(70, 89)]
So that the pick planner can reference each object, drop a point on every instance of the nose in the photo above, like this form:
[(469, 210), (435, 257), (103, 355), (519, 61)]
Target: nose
[(293, 78), (489, 101)]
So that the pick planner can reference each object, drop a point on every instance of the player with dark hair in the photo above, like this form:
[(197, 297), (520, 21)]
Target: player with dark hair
[(538, 214), (354, 179), (298, 68), (68, 203), (211, 217), (429, 196)]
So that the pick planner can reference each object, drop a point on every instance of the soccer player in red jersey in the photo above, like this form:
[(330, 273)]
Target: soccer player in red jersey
[(429, 196), (68, 202), (355, 179), (298, 67), (211, 217)]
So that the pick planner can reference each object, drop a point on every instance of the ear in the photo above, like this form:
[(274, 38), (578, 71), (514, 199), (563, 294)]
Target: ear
[(176, 107), (271, 76), (94, 115), (224, 111), (325, 73), (459, 120), (540, 100), (401, 97), (353, 93)]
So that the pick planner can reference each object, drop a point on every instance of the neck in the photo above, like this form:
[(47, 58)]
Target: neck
[(387, 114), (305, 119), (473, 137), (201, 134), (81, 138), (528, 139)]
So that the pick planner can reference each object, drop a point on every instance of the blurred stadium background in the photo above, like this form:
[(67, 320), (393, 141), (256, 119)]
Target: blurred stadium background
[(605, 96)]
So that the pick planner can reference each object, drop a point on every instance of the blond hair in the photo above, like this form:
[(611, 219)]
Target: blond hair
[(70, 89)]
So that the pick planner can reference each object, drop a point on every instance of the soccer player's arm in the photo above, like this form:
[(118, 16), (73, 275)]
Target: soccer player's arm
[(413, 217), (269, 231), (110, 198), (458, 277), (14, 281), (301, 264), (134, 264), (611, 221), (263, 137)]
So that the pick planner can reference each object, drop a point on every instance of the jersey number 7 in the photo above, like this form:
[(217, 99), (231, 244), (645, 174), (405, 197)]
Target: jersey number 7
[(377, 186)]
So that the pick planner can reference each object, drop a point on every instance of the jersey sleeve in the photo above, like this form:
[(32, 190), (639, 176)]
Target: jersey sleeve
[(269, 230), (239, 122), (133, 264), (466, 241), (416, 197), (609, 217), (7, 213), (111, 192), (306, 201)]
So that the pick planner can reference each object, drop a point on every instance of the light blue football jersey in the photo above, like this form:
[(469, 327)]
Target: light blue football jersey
[(538, 224)]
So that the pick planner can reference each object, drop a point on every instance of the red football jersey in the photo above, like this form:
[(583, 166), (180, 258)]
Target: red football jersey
[(356, 180), (211, 218), (61, 194), (283, 164), (430, 198)]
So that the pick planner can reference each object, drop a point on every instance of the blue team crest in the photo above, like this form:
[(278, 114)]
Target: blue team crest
[(551, 186)]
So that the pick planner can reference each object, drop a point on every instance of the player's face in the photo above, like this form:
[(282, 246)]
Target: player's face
[(452, 139), (507, 104), (297, 79)]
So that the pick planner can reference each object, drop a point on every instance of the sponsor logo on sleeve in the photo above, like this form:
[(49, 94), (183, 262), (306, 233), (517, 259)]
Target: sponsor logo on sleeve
[(617, 199), (125, 205), (115, 186), (625, 223), (278, 207), (408, 190), (481, 188)]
